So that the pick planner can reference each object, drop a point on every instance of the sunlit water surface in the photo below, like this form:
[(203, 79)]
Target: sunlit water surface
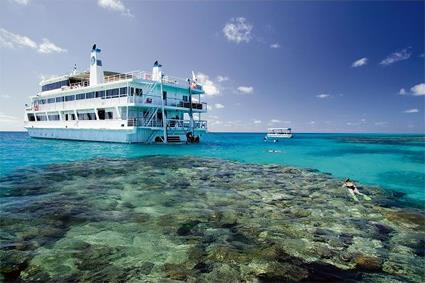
[(394, 162)]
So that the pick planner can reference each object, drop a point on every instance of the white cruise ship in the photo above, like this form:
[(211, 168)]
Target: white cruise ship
[(135, 107)]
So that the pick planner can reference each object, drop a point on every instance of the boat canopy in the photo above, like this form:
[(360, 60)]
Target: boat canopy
[(279, 130)]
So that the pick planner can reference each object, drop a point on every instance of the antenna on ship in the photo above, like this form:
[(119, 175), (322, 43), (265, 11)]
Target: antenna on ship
[(74, 71)]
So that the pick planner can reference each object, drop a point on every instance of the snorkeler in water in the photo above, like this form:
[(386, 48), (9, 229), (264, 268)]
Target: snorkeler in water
[(352, 189)]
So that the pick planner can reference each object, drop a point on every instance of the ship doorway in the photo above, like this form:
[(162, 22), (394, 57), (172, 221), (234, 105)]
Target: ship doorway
[(101, 114)]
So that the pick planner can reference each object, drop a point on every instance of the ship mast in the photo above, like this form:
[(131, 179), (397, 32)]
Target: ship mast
[(190, 109)]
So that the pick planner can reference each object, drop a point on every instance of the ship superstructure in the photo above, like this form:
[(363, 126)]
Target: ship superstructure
[(134, 107)]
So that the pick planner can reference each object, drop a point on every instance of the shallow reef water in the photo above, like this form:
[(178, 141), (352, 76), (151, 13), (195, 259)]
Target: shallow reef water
[(172, 219)]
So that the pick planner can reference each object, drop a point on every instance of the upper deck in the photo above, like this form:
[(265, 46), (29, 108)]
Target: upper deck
[(81, 81), (118, 89)]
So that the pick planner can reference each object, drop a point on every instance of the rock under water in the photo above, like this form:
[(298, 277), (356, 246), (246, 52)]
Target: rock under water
[(162, 219)]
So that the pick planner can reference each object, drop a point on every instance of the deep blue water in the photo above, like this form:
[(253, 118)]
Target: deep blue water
[(395, 162)]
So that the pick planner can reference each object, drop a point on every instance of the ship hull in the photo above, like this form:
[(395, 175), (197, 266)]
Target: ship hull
[(137, 135)]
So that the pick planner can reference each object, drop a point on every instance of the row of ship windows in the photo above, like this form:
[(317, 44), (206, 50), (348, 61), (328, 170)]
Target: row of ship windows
[(71, 116), (110, 93), (55, 85)]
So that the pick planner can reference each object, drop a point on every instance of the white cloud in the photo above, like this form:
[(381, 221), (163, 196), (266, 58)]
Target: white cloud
[(413, 110), (218, 106), (49, 47), (44, 77), (115, 5), (312, 122), (275, 45), (402, 91), (397, 56), (10, 123), (5, 96), (238, 30), (257, 122), (274, 121), (7, 118), (383, 123), (12, 40), (22, 2), (323, 95), (222, 79), (210, 88), (246, 89), (360, 62), (418, 89)]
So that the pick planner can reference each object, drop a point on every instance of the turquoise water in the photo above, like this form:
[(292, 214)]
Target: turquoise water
[(394, 162), (95, 212)]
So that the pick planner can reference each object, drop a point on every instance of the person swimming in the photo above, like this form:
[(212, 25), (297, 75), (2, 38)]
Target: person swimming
[(353, 190)]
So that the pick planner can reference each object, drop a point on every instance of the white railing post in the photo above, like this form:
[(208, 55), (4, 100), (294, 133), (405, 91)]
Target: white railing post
[(164, 122)]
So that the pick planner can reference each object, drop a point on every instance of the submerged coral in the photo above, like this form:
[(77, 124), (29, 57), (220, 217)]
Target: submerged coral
[(197, 219)]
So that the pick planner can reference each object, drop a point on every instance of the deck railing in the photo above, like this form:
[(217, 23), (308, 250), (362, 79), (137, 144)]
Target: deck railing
[(172, 124), (139, 75), (185, 124)]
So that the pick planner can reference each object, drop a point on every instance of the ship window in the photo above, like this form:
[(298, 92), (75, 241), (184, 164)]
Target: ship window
[(139, 91), (109, 115), (100, 93), (131, 91), (89, 95), (81, 96), (123, 91), (185, 98), (70, 98), (54, 117), (101, 114), (41, 117), (86, 116), (69, 117), (112, 93), (51, 100), (59, 99), (55, 85), (31, 117)]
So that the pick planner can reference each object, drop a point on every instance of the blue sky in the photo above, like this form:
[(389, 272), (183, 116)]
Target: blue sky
[(313, 66)]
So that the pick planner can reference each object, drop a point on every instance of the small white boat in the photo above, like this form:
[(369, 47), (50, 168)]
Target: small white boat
[(275, 134)]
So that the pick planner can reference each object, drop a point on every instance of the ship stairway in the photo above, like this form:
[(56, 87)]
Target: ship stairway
[(149, 88), (148, 118), (173, 139)]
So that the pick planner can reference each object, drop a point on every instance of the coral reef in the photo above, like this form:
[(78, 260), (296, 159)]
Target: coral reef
[(160, 219)]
